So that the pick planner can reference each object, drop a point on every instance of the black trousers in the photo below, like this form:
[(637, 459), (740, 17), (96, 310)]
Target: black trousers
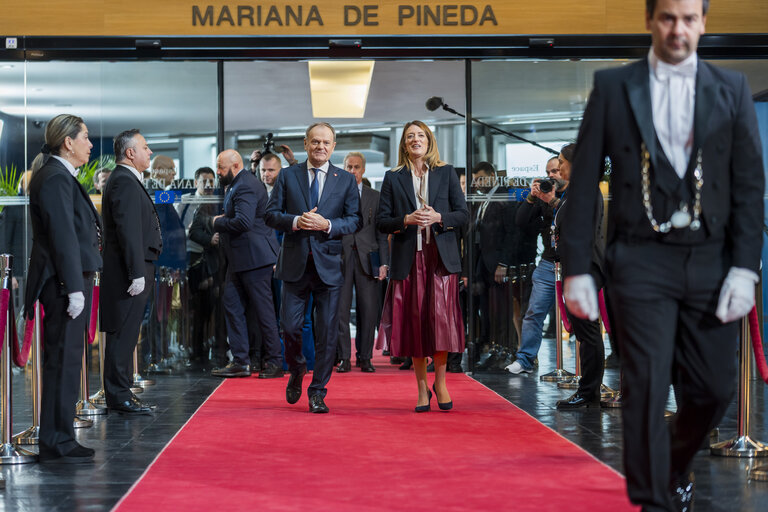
[(118, 353), (367, 307), (295, 296), (63, 341), (591, 355), (250, 292), (663, 300)]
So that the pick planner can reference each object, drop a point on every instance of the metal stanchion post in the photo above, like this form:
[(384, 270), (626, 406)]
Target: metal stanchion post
[(742, 445), (558, 374), (84, 406), (99, 398), (573, 382), (139, 382), (10, 453), (31, 435)]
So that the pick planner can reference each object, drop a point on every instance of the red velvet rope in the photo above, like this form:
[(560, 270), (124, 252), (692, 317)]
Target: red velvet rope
[(604, 312), (757, 345), (94, 315), (561, 305), (20, 355)]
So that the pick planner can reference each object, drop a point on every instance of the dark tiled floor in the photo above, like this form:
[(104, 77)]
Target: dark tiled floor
[(722, 483), (125, 447)]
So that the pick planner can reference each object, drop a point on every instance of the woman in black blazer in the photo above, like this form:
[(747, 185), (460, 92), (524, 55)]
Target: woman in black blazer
[(422, 206), (65, 255)]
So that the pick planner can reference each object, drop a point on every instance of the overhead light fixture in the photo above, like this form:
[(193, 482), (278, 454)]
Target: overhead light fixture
[(340, 88)]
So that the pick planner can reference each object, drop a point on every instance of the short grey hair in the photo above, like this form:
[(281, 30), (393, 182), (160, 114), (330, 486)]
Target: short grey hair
[(123, 142), (357, 154)]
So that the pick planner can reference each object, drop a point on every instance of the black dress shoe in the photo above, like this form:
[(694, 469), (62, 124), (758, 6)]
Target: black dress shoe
[(578, 400), (233, 369), (683, 492), (366, 366), (293, 389), (151, 406), (133, 406), (77, 455), (406, 364), (344, 366), (454, 368), (385, 353), (396, 360), (271, 371), (317, 405)]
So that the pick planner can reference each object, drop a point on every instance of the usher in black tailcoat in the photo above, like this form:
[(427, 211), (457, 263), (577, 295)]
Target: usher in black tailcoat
[(664, 288)]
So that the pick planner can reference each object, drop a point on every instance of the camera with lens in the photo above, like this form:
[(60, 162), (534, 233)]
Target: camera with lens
[(546, 185), (270, 146)]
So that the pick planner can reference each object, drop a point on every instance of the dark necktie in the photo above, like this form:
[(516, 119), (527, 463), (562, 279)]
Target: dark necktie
[(313, 188)]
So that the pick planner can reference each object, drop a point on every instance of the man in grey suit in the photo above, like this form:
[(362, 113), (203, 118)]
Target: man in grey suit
[(684, 241), (314, 203), (359, 273)]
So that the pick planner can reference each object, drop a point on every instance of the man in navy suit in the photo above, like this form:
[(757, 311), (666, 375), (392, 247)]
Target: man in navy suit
[(251, 249), (684, 241), (314, 203)]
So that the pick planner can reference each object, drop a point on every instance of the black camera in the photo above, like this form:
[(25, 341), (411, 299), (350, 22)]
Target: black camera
[(270, 146), (547, 184)]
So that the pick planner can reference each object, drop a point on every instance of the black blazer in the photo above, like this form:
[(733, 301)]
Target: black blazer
[(247, 241), (340, 204), (368, 239), (131, 238), (619, 117), (398, 199), (65, 228)]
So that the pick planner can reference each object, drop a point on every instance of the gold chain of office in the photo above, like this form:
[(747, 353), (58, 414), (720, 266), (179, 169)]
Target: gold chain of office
[(681, 218)]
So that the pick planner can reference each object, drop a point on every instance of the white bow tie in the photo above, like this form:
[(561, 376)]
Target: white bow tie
[(666, 71)]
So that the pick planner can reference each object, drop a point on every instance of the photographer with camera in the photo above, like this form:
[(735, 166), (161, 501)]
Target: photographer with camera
[(538, 212)]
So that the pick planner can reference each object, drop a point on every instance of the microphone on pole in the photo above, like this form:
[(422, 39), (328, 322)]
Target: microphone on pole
[(434, 103)]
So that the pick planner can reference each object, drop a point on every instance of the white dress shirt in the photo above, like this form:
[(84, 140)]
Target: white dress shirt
[(673, 96), (417, 190), (69, 166), (321, 174)]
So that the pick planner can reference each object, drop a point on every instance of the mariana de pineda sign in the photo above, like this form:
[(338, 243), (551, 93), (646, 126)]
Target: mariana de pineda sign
[(368, 15)]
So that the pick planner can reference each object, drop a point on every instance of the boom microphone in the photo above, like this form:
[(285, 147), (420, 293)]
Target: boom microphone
[(434, 103)]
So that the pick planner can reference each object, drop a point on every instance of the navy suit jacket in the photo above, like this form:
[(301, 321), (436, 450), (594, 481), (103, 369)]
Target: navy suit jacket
[(339, 203), (247, 241)]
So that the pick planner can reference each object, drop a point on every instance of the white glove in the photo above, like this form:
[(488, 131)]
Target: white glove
[(137, 286), (76, 304), (737, 296), (581, 296)]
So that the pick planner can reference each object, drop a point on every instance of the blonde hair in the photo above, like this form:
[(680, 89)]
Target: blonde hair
[(432, 157), (59, 128)]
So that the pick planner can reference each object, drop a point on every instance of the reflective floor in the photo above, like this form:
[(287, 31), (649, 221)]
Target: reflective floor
[(722, 482), (125, 447)]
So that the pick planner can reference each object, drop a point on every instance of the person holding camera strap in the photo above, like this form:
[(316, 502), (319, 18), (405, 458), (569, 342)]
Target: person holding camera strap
[(539, 210)]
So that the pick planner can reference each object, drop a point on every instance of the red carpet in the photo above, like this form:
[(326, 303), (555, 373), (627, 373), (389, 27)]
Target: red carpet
[(247, 449)]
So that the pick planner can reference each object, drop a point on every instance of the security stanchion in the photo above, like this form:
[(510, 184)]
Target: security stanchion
[(84, 406), (558, 374), (31, 435), (742, 445), (10, 453), (99, 398), (79, 422), (139, 382), (573, 382)]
